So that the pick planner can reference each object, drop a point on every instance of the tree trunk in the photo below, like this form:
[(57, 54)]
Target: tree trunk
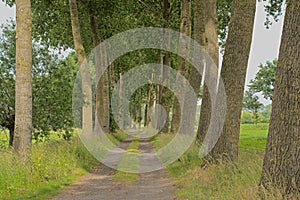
[(102, 90), (210, 43), (159, 93), (281, 168), (150, 103), (146, 112), (23, 99), (134, 116), (233, 73), (167, 95), (121, 110), (11, 136), (112, 81), (87, 112), (194, 76), (255, 117), (140, 109), (185, 28), (112, 74)]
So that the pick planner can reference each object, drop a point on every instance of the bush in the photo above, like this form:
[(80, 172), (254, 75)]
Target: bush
[(246, 118)]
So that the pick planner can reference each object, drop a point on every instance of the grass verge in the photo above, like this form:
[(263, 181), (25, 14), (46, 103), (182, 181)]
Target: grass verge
[(220, 182), (117, 137), (53, 165)]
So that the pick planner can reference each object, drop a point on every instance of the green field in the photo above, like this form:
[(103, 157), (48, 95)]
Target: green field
[(253, 139)]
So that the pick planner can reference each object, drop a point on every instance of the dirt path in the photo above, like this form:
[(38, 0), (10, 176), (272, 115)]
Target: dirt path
[(99, 184)]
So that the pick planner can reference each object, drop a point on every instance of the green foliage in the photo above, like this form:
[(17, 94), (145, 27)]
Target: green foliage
[(252, 104), (7, 76), (266, 111), (264, 79), (246, 118), (52, 23), (274, 9), (224, 13), (52, 166), (264, 83), (53, 81), (52, 96), (9, 2)]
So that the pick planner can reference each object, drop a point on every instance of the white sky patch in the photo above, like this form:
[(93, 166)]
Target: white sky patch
[(6, 12)]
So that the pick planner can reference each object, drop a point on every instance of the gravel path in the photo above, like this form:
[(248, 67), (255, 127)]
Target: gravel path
[(99, 184)]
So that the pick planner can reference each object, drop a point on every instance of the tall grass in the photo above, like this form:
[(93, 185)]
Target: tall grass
[(52, 165)]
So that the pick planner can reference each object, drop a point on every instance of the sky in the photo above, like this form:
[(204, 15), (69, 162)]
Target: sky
[(6, 12), (265, 43)]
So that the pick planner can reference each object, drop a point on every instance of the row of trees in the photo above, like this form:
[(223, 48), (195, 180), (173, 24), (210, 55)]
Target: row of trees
[(66, 25)]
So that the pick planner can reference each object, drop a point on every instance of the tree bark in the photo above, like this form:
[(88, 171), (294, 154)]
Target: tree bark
[(146, 112), (195, 76), (11, 136), (185, 28), (87, 112), (23, 100), (102, 90), (149, 105), (233, 73), (159, 93), (139, 109), (121, 111), (209, 39), (281, 168), (167, 95)]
